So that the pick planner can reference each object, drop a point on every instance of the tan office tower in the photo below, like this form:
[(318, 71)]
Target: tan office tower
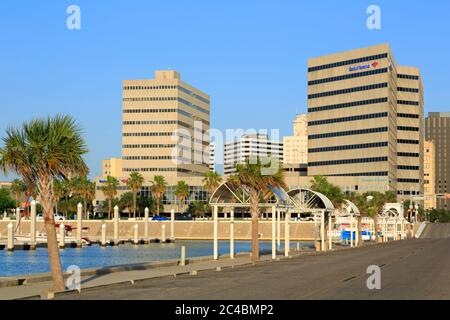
[(295, 148), (166, 131), (429, 175), (365, 122), (438, 130), (112, 167)]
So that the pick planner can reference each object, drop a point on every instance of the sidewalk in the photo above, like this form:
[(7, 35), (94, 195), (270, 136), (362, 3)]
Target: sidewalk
[(36, 286)]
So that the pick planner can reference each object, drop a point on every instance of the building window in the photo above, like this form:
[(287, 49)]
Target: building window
[(348, 76), (348, 119), (347, 161), (348, 105), (349, 90), (348, 62), (410, 103), (349, 147), (347, 133), (412, 90)]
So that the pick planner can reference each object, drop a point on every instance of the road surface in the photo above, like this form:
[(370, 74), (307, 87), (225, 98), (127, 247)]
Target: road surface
[(411, 269)]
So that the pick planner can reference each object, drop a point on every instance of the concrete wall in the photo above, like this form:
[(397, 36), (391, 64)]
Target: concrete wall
[(190, 230)]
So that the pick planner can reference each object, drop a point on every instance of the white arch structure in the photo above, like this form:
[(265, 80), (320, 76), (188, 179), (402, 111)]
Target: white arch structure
[(390, 219), (299, 200)]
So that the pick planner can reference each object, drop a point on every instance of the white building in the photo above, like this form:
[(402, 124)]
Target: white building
[(250, 145), (212, 156), (296, 147)]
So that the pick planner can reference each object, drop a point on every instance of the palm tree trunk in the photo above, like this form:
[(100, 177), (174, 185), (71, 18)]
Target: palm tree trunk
[(254, 211), (109, 209), (375, 221), (134, 204), (157, 206), (85, 209), (52, 243)]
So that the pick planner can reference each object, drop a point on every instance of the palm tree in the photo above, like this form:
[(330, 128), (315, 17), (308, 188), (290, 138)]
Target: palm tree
[(110, 191), (181, 192), (40, 151), (17, 187), (331, 191), (158, 189), (84, 188), (31, 191), (126, 202), (250, 176), (58, 193), (135, 182), (211, 181)]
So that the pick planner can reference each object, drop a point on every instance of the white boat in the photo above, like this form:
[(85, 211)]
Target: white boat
[(42, 238)]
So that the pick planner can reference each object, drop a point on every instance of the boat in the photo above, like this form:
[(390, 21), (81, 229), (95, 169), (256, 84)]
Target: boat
[(42, 237)]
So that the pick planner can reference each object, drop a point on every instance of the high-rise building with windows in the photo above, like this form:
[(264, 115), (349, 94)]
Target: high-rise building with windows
[(248, 146), (365, 121), (438, 130), (165, 131), (164, 126), (429, 168), (212, 156), (112, 167), (295, 148)]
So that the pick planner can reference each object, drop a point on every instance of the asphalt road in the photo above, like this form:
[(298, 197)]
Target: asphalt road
[(411, 269)]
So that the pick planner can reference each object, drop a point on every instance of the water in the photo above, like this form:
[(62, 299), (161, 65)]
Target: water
[(29, 262)]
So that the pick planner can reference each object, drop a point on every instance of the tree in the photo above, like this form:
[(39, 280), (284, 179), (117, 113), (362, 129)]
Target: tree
[(110, 191), (158, 189), (85, 188), (40, 151), (17, 188), (197, 208), (439, 215), (146, 202), (61, 189), (257, 179), (135, 182), (334, 193), (212, 181), (126, 202), (181, 192), (6, 202)]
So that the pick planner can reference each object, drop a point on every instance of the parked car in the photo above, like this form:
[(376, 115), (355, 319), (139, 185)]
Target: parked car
[(160, 218), (186, 216)]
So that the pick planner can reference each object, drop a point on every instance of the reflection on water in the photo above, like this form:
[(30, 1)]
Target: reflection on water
[(27, 262)]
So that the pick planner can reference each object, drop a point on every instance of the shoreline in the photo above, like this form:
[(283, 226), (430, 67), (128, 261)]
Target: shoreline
[(29, 277)]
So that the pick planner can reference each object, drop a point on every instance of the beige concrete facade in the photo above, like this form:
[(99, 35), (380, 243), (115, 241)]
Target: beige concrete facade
[(165, 131), (112, 167), (365, 121), (295, 148), (429, 175), (165, 127)]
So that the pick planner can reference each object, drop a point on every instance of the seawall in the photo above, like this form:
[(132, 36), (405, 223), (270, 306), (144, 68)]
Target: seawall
[(188, 230)]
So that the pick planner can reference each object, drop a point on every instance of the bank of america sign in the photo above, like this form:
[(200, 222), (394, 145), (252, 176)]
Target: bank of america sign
[(363, 67)]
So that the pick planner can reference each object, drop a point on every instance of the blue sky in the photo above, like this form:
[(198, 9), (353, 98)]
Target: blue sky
[(250, 56)]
